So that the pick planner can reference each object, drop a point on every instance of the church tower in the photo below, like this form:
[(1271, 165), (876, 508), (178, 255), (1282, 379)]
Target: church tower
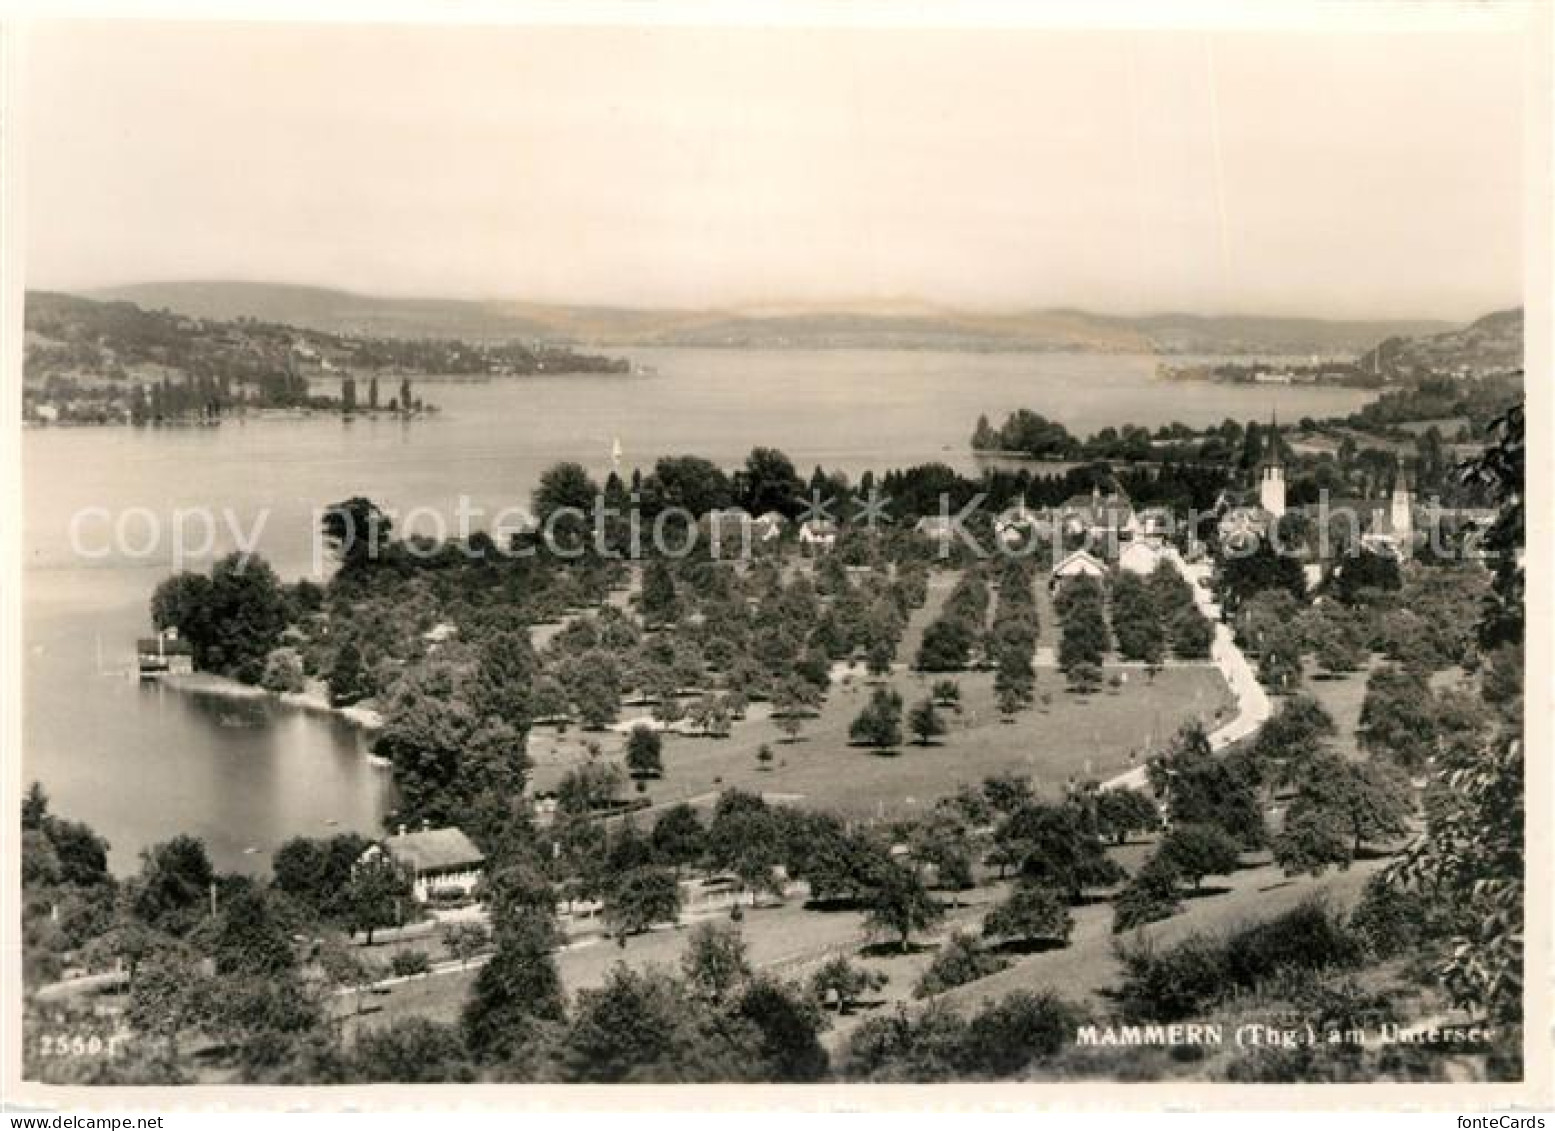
[(1401, 513), (1271, 484)]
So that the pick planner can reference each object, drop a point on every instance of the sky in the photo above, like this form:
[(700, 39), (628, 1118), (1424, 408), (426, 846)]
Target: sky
[(1353, 175)]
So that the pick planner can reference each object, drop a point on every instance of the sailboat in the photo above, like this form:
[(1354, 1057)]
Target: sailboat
[(615, 453)]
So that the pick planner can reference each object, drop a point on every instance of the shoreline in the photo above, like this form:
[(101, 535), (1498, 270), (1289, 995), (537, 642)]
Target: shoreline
[(208, 683)]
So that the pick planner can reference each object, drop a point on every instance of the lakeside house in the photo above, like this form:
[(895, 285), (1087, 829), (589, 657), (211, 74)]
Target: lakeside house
[(439, 862), (164, 654)]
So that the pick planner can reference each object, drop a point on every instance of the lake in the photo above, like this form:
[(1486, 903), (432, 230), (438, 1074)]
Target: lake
[(141, 763)]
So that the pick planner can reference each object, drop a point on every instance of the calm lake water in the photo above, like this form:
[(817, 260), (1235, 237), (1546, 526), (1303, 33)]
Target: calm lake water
[(141, 763)]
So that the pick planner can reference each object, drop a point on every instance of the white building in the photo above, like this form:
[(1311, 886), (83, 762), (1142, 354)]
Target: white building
[(1140, 558), (436, 860)]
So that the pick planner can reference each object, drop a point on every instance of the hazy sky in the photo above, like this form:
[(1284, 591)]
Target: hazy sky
[(1129, 171)]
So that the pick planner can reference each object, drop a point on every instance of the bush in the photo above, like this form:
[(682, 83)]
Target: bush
[(1185, 979), (959, 961), (1388, 921), (1170, 984), (1010, 1034), (408, 963)]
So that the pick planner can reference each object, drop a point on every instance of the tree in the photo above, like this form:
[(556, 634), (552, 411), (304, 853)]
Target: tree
[(1398, 717), (452, 764), (232, 621), (640, 898), (1279, 664), (899, 903), (357, 532), (1151, 895), (787, 1025), (1201, 789), (1338, 644), (35, 808), (1242, 576), (1020, 1028), (1338, 807), (515, 994), (1055, 845), (791, 700), (175, 881), (644, 752), (770, 483), (1471, 857), (1122, 811), (879, 724), (947, 694), (839, 983), (1084, 678), (348, 679), (1196, 851), (659, 602), (505, 670), (465, 939), (249, 936), (283, 671), (946, 645), (1299, 731), (641, 1026), (960, 959), (678, 837), (376, 895), (715, 960), (925, 722), (565, 487), (1192, 634), (748, 838), (1360, 574), (410, 1050), (1030, 912), (587, 788)]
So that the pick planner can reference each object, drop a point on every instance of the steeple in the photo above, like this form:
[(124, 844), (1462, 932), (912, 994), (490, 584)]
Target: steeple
[(1271, 481), (1274, 458)]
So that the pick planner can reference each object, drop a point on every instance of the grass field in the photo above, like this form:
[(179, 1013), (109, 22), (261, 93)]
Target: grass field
[(1072, 738), (1342, 698)]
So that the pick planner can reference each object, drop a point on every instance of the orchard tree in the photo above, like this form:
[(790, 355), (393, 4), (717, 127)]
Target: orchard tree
[(899, 904), (645, 752), (1398, 717), (716, 960), (1054, 845), (1339, 807), (678, 838), (1030, 913), (1196, 851), (879, 724), (1149, 896), (841, 984), (925, 722), (641, 898), (1122, 811)]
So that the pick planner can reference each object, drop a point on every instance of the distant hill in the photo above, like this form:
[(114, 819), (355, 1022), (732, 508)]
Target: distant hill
[(1490, 344), (881, 325)]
